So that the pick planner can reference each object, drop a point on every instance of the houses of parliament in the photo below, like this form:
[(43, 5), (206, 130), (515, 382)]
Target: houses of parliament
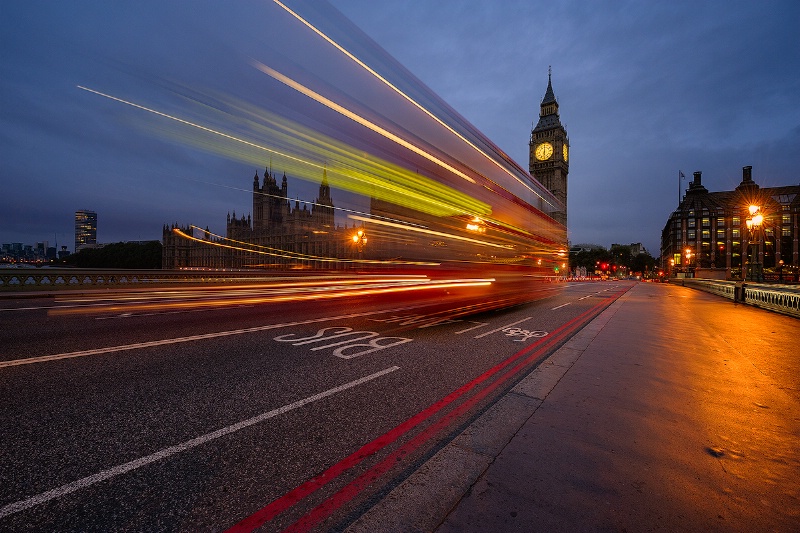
[(283, 234)]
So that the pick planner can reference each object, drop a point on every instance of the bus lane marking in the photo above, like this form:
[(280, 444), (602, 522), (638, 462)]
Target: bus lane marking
[(178, 340), (375, 344), (424, 321)]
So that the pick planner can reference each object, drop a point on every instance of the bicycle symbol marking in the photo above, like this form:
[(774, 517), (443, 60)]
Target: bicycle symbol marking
[(522, 335)]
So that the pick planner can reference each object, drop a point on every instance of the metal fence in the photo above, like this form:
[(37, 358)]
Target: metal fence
[(58, 279), (783, 299)]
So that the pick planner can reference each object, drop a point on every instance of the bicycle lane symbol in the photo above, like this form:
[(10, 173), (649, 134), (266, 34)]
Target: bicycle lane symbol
[(517, 333)]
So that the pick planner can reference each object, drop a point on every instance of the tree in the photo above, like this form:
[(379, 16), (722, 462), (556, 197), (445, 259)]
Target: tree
[(130, 255)]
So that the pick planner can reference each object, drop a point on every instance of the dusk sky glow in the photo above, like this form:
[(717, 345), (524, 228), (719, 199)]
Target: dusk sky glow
[(646, 89)]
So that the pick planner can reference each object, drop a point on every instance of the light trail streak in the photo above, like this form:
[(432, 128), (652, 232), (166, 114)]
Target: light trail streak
[(284, 298), (430, 232), (423, 194), (408, 98), (254, 248), (330, 104), (192, 124)]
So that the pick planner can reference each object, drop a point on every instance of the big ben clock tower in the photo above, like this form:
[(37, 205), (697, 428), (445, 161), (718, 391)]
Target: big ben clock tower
[(549, 151)]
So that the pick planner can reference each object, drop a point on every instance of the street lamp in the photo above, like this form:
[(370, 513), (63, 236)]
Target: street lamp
[(754, 223), (360, 239), (688, 254)]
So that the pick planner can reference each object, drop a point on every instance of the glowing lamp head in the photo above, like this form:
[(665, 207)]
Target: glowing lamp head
[(753, 209)]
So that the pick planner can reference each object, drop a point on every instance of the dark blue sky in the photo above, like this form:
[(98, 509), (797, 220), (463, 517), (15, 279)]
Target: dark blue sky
[(645, 89)]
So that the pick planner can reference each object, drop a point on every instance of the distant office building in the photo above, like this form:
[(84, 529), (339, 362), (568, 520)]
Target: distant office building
[(709, 230), (85, 229)]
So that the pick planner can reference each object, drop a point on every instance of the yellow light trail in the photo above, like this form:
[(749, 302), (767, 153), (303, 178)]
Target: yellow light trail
[(429, 232), (357, 118), (361, 172), (188, 123), (404, 95)]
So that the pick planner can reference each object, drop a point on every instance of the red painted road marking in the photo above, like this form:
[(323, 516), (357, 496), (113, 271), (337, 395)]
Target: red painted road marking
[(352, 489)]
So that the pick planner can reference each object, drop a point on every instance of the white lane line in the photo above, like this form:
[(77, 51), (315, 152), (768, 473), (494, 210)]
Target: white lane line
[(480, 325), (584, 297), (87, 481), (502, 327), (560, 306), (177, 340)]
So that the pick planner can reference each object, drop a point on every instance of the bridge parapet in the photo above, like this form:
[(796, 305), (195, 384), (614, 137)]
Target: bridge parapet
[(783, 299), (59, 279)]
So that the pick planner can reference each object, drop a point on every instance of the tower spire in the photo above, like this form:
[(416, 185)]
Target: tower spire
[(549, 95)]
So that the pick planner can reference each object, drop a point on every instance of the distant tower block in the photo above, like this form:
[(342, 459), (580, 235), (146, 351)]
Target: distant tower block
[(85, 229)]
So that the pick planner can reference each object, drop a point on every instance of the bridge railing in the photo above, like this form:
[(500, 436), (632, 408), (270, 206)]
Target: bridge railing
[(59, 279), (783, 299)]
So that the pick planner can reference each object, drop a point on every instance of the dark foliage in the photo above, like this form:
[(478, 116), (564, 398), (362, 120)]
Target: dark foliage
[(130, 255)]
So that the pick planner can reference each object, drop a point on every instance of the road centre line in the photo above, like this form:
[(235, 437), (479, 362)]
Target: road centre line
[(560, 306), (584, 297), (480, 325), (87, 481), (502, 327), (178, 340)]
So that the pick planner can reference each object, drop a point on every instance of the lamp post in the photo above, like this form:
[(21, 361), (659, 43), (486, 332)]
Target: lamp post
[(688, 254), (754, 223), (359, 239)]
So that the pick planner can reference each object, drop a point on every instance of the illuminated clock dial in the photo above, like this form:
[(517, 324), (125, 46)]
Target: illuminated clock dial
[(544, 151), (566, 153)]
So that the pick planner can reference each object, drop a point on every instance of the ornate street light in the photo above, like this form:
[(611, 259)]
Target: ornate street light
[(688, 253), (754, 223), (360, 239)]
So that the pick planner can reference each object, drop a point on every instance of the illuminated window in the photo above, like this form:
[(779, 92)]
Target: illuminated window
[(720, 234), (736, 221), (786, 232), (786, 219), (691, 222), (736, 234), (691, 235), (706, 222), (706, 235)]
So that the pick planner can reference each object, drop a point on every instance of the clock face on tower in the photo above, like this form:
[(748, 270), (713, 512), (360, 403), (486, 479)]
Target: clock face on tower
[(544, 151), (566, 153)]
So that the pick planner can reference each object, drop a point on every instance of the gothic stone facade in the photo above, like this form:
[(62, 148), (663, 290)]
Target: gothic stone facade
[(279, 234)]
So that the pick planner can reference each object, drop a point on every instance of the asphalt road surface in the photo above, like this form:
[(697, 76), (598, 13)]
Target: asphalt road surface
[(122, 413)]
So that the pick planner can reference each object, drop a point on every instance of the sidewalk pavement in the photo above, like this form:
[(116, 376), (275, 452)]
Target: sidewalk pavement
[(673, 410)]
